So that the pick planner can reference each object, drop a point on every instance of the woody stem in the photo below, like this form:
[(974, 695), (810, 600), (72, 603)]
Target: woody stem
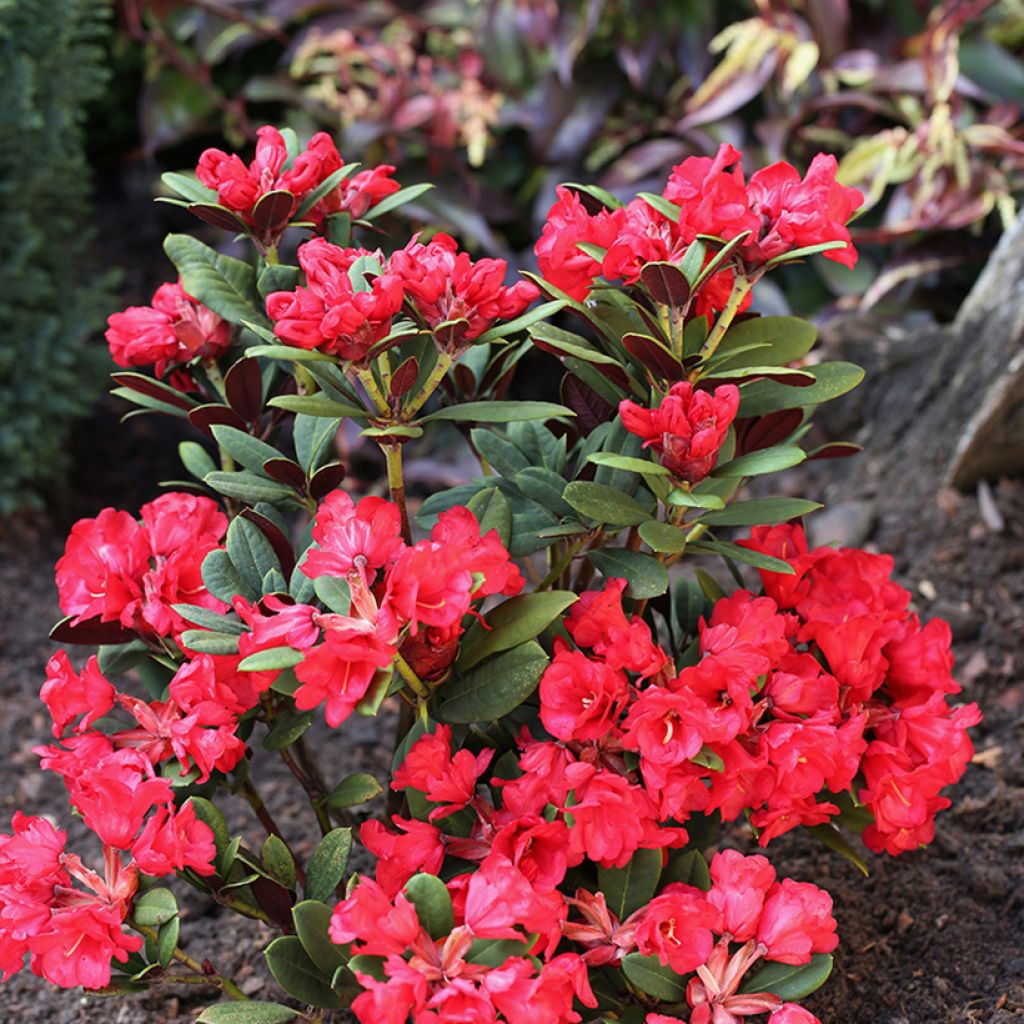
[(369, 382), (430, 385), (739, 291), (396, 485), (255, 801), (229, 987), (415, 683)]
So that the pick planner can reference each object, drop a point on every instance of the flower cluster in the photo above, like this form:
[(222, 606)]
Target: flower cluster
[(71, 934), (405, 600), (117, 568), (240, 188), (351, 296), (825, 685), (687, 429), (172, 331), (776, 211)]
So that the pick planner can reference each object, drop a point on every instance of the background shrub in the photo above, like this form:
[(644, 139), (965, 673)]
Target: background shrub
[(51, 67)]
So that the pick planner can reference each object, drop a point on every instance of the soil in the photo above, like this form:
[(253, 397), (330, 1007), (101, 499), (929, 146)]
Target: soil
[(933, 937)]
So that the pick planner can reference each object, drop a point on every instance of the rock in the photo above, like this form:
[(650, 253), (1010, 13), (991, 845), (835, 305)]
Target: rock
[(848, 523)]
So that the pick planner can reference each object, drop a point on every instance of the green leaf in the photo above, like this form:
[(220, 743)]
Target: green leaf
[(251, 553), (221, 578), (690, 868), (664, 537), (761, 512), (277, 861), (224, 284), (167, 940), (493, 512), (650, 977), (296, 973), (495, 688), (830, 836), (646, 576), (429, 895), (211, 815), (312, 436), (768, 460), (495, 952), (804, 251), (334, 592), (200, 616), (664, 206), (692, 499), (742, 554), (312, 921), (499, 412), (287, 728), (244, 448), (628, 463), (285, 352), (499, 451), (528, 319), (188, 187), (831, 380), (154, 908), (196, 459), (357, 789), (329, 184), (272, 659), (629, 888), (328, 864), (396, 199), (247, 487), (249, 1012), (204, 641), (605, 504), (512, 623), (791, 982), (317, 405)]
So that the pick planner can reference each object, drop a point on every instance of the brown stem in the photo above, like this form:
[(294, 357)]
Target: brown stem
[(255, 801)]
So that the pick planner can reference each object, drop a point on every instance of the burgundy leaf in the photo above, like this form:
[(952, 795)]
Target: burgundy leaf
[(405, 377), (144, 385), (243, 385), (653, 355), (273, 211), (91, 631), (326, 479), (278, 541), (205, 416), (755, 433), (285, 471), (666, 283), (218, 216), (590, 408)]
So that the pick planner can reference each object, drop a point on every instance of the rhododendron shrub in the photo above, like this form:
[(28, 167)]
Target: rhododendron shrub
[(591, 734)]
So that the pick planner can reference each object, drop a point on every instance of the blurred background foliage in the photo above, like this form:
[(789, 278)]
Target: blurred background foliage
[(498, 100)]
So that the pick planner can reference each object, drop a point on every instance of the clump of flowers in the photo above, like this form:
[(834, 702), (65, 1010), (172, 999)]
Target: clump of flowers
[(578, 757)]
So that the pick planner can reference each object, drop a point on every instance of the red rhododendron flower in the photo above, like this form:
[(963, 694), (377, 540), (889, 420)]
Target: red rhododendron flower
[(676, 928), (580, 698), (380, 926), (687, 428), (738, 892), (68, 695), (415, 847), (173, 330), (446, 286), (170, 842), (333, 312), (119, 569), (799, 212), (797, 922), (362, 538), (559, 257), (713, 199), (430, 768)]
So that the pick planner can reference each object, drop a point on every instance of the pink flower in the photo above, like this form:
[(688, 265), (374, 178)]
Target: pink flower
[(676, 928), (172, 331), (361, 538), (738, 892), (687, 428), (797, 922)]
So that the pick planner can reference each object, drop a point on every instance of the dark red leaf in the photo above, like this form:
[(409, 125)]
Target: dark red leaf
[(590, 408), (405, 377), (273, 211), (205, 416), (326, 479), (285, 471), (755, 433), (278, 541), (666, 284), (276, 901), (144, 385), (654, 356), (218, 216), (243, 385), (92, 631), (835, 450)]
